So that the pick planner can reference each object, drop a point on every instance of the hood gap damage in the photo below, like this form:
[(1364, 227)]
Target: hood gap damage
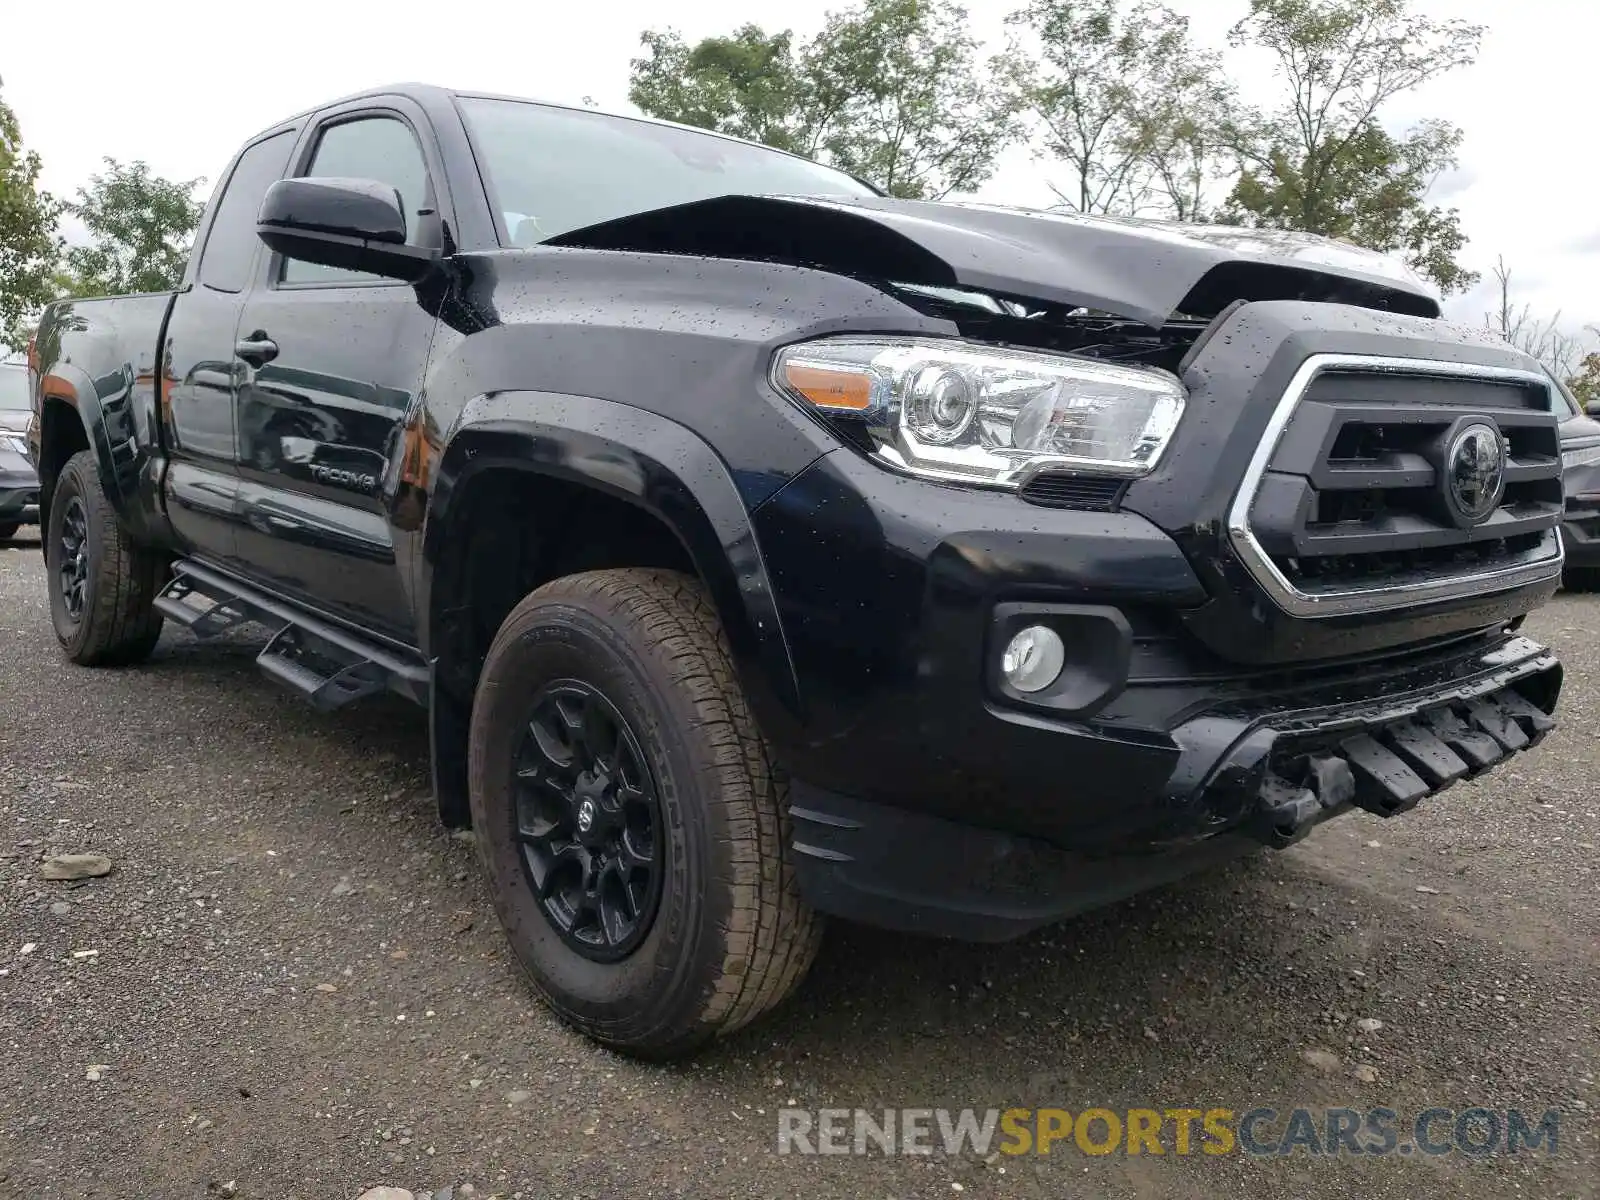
[(1149, 273)]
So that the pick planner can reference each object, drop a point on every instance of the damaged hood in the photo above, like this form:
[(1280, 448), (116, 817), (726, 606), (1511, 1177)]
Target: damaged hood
[(1145, 271)]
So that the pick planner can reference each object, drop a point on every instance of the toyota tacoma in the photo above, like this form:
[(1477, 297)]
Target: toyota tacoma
[(763, 548)]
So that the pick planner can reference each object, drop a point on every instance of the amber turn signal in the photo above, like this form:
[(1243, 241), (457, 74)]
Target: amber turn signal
[(830, 387)]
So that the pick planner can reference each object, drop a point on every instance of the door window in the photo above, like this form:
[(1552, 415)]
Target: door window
[(379, 148)]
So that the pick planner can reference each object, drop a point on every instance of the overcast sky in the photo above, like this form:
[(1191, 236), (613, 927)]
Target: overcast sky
[(179, 83)]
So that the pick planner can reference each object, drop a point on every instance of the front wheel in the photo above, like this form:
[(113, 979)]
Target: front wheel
[(8, 530), (632, 825), (102, 585)]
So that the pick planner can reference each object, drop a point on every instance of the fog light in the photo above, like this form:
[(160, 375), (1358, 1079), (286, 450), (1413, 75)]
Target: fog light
[(1033, 659)]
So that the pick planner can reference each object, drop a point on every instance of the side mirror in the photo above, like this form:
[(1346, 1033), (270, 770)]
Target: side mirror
[(357, 224), (1592, 409)]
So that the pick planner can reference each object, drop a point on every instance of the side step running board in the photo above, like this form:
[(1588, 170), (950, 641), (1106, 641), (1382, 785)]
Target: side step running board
[(326, 665)]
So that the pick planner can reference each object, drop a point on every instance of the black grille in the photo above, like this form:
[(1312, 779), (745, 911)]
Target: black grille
[(1352, 497), (1074, 491)]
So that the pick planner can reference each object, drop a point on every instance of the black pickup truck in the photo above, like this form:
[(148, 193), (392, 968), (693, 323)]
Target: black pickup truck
[(763, 547)]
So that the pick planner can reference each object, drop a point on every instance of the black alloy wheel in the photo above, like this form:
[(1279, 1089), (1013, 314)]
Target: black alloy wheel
[(630, 818), (102, 583), (587, 818), (74, 560)]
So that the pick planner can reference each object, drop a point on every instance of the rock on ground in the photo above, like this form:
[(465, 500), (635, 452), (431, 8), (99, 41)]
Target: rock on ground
[(66, 867)]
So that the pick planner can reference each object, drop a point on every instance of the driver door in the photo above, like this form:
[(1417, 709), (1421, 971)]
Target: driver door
[(331, 364)]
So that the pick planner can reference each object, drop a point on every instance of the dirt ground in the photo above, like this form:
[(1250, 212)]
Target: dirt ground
[(293, 982)]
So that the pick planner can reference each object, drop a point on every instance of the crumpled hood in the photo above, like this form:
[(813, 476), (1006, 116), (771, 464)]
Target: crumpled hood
[(1143, 270)]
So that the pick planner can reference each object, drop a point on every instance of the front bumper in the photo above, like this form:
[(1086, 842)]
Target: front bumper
[(1580, 533), (19, 502), (19, 489), (929, 797), (895, 597), (1246, 776)]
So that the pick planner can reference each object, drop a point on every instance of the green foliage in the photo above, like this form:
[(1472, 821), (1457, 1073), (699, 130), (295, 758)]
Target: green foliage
[(747, 84), (904, 100), (1585, 384), (1322, 161), (890, 90), (1128, 103), (140, 228), (29, 246)]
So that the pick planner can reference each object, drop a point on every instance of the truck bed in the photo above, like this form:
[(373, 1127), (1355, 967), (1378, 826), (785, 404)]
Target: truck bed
[(104, 353)]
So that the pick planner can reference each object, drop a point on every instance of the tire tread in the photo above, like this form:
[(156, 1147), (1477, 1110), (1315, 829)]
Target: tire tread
[(122, 625), (773, 935)]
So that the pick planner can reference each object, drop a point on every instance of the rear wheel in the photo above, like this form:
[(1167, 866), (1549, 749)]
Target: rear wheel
[(1581, 579), (8, 530), (102, 586), (634, 830)]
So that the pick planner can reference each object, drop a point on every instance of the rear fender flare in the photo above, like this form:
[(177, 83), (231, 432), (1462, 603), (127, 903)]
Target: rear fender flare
[(69, 385), (649, 461)]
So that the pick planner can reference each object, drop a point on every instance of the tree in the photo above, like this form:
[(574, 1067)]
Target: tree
[(903, 101), (1322, 161), (1128, 103), (1543, 339), (140, 228), (747, 84), (891, 90), (1185, 146), (1585, 382), (29, 246)]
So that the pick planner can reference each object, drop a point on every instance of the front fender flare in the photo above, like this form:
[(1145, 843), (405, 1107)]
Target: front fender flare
[(654, 463)]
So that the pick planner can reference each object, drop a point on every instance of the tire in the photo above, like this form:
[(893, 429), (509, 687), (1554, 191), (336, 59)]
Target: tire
[(1581, 579), (114, 623), (8, 530), (730, 936)]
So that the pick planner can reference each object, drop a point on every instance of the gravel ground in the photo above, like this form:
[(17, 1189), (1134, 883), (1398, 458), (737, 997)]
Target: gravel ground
[(294, 982)]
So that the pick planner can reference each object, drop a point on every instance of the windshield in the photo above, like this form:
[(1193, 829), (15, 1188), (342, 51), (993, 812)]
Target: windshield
[(1564, 397), (13, 389), (553, 170)]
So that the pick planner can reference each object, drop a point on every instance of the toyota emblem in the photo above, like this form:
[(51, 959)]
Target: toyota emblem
[(1475, 472)]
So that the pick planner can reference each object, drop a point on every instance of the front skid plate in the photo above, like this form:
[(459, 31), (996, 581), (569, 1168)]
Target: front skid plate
[(1387, 768)]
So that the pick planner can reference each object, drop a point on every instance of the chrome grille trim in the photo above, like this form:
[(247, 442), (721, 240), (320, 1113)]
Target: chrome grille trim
[(1546, 564)]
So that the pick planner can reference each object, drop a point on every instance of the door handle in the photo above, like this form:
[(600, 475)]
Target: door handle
[(257, 349)]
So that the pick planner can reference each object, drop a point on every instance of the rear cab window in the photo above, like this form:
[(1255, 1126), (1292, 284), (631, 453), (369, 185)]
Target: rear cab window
[(231, 243)]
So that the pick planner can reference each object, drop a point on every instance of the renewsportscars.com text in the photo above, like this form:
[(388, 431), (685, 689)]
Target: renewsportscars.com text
[(1260, 1131)]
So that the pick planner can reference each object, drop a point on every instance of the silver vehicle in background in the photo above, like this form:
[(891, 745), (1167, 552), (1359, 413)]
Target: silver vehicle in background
[(19, 483)]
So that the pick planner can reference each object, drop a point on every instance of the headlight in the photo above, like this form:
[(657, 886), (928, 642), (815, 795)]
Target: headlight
[(1581, 456), (14, 441), (955, 411)]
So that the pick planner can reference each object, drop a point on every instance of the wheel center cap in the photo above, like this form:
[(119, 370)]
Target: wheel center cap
[(590, 815)]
